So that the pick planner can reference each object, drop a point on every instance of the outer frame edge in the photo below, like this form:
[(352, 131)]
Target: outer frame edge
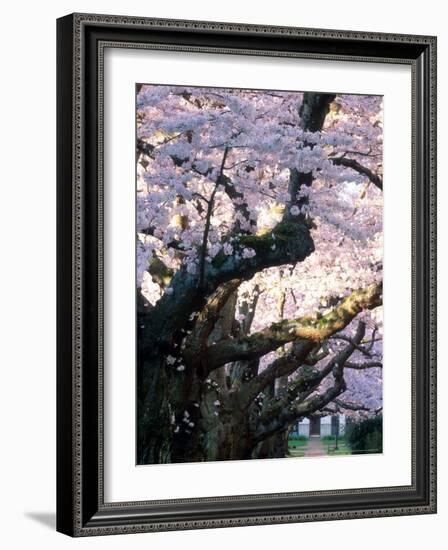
[(64, 493), (77, 529)]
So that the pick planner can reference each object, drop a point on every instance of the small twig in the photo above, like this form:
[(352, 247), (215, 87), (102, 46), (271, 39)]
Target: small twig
[(363, 366), (196, 194), (350, 406), (208, 219), (350, 341)]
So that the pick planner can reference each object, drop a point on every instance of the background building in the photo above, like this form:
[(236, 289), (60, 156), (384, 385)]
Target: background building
[(320, 426)]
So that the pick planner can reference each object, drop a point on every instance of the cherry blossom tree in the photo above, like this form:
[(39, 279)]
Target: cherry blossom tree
[(259, 267)]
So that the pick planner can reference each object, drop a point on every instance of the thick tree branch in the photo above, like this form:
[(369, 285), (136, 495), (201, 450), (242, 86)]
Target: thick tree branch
[(286, 243), (160, 273), (247, 310), (310, 329), (307, 382), (242, 371), (313, 110), (283, 366), (290, 408), (304, 408), (207, 318), (304, 385)]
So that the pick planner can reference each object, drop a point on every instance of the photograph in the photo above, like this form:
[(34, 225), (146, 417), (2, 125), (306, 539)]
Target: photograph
[(259, 268)]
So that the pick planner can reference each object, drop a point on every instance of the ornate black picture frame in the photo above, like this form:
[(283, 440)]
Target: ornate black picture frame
[(81, 509)]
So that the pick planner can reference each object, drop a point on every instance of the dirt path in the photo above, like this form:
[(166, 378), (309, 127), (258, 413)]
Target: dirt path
[(315, 447)]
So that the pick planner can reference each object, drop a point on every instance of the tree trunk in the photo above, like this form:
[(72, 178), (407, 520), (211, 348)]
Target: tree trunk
[(275, 446), (153, 414), (225, 430)]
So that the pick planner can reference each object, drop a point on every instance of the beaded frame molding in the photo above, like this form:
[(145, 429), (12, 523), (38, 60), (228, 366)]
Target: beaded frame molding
[(81, 509)]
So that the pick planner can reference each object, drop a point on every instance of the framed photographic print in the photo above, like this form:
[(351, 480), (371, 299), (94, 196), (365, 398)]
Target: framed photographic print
[(246, 274)]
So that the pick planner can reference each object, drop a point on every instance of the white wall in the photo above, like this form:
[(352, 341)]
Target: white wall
[(304, 427), (325, 426), (27, 233)]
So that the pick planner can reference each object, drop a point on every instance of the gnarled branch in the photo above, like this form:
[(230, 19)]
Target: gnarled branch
[(290, 409), (309, 329)]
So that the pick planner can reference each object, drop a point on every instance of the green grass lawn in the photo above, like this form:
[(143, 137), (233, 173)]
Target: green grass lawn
[(343, 449), (293, 443), (329, 442), (296, 452), (297, 446)]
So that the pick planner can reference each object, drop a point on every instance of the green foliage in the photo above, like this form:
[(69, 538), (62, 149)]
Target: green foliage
[(365, 436), (375, 441), (298, 443)]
